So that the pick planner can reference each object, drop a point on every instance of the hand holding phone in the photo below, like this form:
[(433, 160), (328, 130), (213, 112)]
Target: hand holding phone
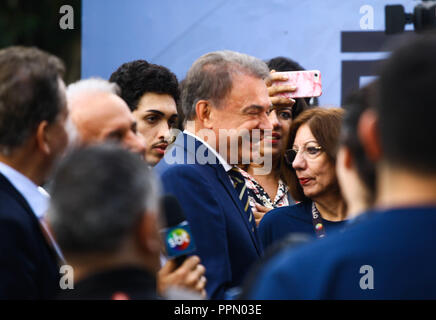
[(307, 83)]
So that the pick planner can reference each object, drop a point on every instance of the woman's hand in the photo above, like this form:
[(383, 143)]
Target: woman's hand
[(260, 212), (274, 90)]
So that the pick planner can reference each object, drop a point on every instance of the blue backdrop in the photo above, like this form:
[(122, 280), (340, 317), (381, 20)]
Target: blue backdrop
[(320, 34)]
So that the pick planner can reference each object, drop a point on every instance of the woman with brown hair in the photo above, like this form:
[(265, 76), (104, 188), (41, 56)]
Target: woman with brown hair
[(309, 172)]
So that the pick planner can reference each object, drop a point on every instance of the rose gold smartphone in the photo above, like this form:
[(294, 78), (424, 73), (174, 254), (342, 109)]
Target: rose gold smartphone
[(308, 84)]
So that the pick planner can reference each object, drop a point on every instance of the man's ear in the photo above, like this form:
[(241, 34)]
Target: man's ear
[(346, 157), (204, 111), (368, 132), (42, 137), (148, 235)]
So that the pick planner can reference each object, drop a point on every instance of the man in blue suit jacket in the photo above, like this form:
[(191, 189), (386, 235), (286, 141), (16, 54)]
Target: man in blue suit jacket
[(33, 113), (224, 99), (389, 253)]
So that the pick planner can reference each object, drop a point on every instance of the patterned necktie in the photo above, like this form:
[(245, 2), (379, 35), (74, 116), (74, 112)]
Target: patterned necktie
[(241, 189)]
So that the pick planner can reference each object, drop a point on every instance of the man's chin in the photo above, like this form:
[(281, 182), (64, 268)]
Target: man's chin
[(153, 159)]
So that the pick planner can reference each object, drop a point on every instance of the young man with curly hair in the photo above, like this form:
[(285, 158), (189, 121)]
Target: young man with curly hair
[(151, 92)]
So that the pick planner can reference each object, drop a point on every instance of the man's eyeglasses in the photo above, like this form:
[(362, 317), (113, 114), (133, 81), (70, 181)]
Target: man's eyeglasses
[(309, 151)]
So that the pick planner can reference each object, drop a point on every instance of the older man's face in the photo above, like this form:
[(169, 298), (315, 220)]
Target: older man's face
[(101, 117), (243, 110)]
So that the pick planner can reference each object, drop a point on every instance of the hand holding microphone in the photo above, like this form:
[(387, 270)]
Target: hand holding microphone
[(190, 275), (180, 270)]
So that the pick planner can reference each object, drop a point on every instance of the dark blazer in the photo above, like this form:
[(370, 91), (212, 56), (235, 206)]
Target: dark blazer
[(124, 283), (278, 223), (225, 241), (28, 266)]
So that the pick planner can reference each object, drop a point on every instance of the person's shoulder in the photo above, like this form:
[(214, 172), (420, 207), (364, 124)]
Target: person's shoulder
[(298, 211), (16, 224), (283, 220), (11, 210), (192, 172)]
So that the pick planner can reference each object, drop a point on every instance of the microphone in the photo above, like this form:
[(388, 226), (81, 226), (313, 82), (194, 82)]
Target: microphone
[(178, 238)]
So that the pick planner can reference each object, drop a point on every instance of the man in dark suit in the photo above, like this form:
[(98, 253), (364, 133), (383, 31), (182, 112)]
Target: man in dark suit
[(32, 136), (224, 100), (389, 253)]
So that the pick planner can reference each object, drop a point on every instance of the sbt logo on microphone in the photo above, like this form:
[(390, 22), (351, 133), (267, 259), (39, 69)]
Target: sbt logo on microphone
[(179, 240)]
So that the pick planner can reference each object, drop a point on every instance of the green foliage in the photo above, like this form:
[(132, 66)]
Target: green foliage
[(36, 23)]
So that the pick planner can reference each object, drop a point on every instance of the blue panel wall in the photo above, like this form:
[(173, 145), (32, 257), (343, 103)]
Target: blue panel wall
[(176, 32)]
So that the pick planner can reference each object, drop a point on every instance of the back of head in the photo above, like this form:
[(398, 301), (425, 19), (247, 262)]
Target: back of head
[(406, 105), (139, 77), (211, 77), (29, 93), (355, 104), (99, 195)]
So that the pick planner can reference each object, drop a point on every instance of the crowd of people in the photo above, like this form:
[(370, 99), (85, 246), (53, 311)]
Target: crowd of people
[(285, 199)]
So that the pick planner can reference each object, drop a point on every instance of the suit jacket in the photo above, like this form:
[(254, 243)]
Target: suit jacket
[(123, 283), (225, 241), (28, 265)]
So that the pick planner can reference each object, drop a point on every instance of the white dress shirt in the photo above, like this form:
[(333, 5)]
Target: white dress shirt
[(222, 161)]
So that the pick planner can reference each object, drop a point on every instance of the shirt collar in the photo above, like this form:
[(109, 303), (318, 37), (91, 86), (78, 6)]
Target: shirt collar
[(36, 197), (222, 161)]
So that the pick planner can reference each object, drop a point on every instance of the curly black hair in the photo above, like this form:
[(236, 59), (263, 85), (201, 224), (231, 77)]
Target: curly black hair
[(138, 77)]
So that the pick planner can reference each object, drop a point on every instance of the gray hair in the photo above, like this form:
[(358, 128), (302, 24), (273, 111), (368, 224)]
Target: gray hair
[(99, 194), (211, 77), (81, 87), (92, 85), (29, 93)]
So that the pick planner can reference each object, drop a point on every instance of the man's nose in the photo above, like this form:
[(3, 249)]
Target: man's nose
[(265, 122), (164, 131)]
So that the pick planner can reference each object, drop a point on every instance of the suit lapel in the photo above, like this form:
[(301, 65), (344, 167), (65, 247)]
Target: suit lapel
[(191, 145), (7, 186)]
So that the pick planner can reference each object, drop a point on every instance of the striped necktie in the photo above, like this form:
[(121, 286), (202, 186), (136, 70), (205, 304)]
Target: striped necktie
[(241, 189)]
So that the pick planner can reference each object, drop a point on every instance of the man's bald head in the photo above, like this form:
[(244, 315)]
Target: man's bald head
[(99, 114)]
